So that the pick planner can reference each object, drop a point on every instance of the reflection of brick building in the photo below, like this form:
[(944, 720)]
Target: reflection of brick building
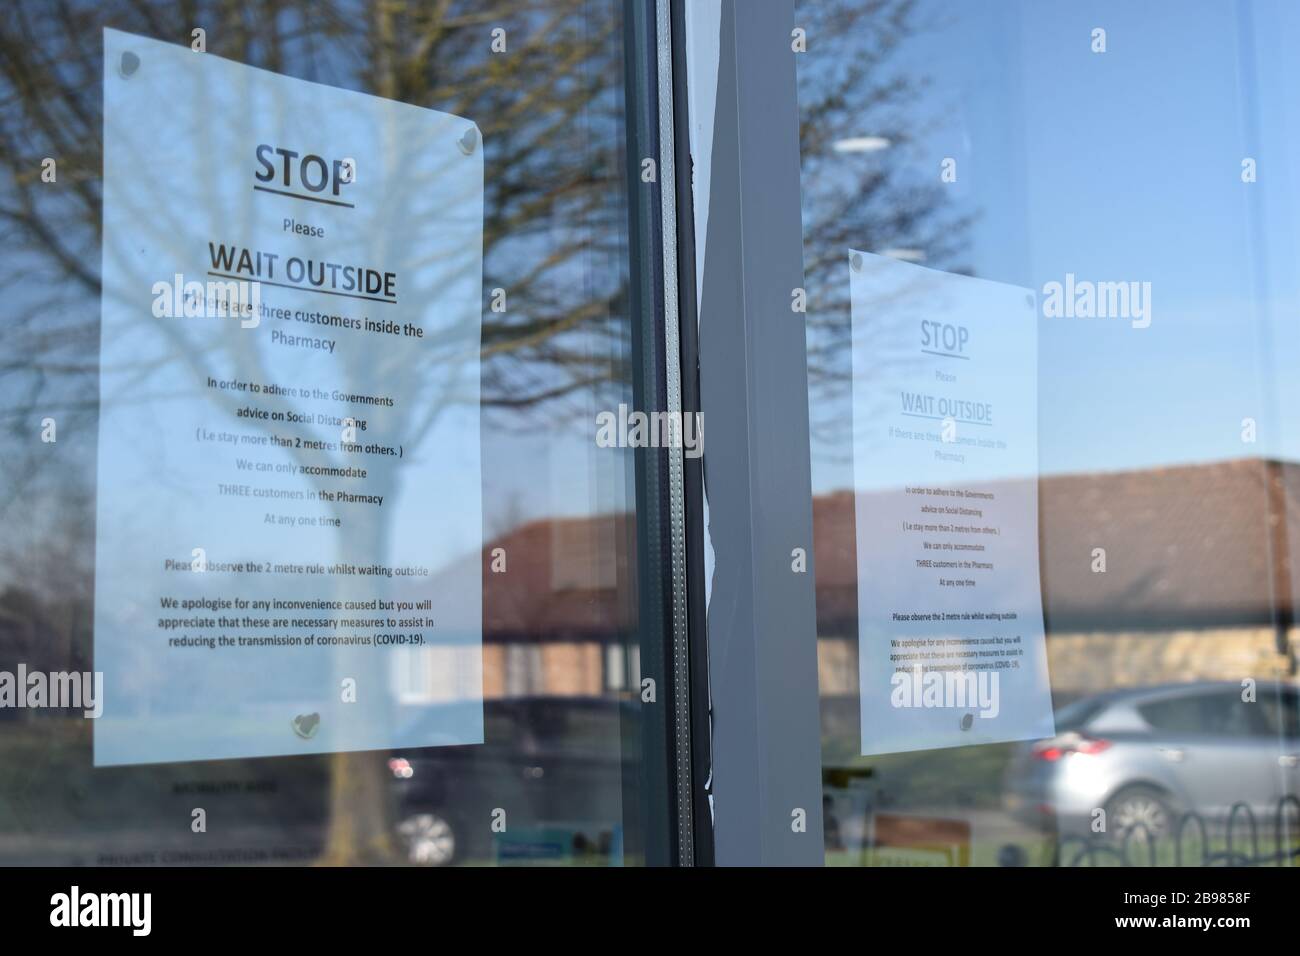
[(1198, 584), (1198, 580), (558, 619)]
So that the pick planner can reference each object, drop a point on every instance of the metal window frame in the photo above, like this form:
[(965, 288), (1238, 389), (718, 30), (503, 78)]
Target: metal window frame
[(693, 471), (762, 640), (669, 571), (731, 750)]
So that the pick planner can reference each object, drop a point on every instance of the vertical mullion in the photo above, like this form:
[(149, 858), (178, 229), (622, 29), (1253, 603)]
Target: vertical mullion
[(754, 392), (680, 662)]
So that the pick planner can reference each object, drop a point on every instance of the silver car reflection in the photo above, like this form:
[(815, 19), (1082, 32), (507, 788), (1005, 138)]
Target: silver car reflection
[(1147, 755)]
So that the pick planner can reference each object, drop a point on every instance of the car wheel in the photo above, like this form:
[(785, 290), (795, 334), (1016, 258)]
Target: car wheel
[(1139, 808), (428, 838)]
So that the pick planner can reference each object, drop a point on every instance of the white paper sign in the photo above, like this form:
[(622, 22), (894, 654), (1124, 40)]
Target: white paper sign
[(289, 516), (945, 407)]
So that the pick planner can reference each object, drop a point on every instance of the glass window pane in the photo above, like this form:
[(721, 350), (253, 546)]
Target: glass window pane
[(545, 650), (1049, 264)]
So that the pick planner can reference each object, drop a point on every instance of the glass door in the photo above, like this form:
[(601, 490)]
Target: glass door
[(313, 548)]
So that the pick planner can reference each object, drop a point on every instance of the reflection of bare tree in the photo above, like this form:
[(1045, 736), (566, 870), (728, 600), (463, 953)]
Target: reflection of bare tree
[(548, 119), (858, 86), (551, 114)]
